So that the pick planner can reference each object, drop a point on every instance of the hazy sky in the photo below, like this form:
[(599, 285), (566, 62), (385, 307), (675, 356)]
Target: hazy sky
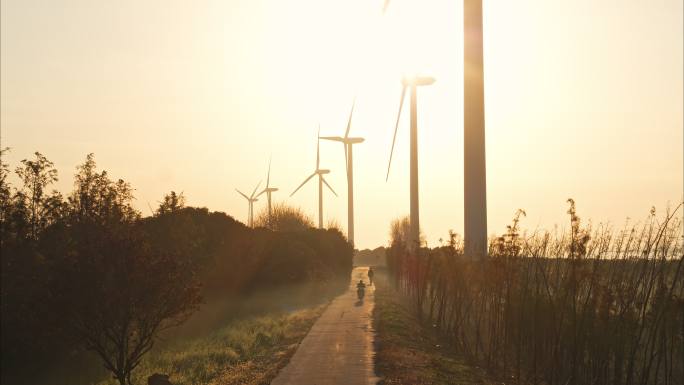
[(583, 100)]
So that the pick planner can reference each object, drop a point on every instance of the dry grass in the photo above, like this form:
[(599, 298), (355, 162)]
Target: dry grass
[(408, 352), (249, 351)]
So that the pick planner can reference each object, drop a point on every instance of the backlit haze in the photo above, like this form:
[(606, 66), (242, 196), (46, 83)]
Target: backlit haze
[(583, 100)]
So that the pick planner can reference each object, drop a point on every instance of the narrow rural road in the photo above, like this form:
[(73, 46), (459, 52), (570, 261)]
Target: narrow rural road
[(339, 347)]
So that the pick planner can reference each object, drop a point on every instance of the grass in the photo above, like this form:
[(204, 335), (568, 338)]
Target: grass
[(246, 351), (409, 352)]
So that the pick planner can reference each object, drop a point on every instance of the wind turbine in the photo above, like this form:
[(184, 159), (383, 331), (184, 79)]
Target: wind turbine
[(348, 143), (268, 190), (320, 172), (414, 221), (474, 160), (250, 199)]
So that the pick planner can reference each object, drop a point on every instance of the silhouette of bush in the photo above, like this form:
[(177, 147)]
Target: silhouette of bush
[(90, 272)]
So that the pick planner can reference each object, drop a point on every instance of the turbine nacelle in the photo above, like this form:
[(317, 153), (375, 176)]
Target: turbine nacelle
[(340, 139), (322, 171), (417, 81)]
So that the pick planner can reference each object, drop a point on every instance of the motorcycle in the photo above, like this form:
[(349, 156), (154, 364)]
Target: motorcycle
[(360, 292)]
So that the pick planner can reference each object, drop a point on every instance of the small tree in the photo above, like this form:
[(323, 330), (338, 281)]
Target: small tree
[(284, 218), (5, 194), (172, 203), (509, 244), (400, 230), (98, 199), (118, 294), (43, 209)]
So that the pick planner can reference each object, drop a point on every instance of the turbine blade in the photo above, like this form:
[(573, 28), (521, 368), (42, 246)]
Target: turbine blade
[(333, 138), (396, 127), (255, 189), (318, 147), (303, 183), (346, 133), (268, 176), (384, 7), (240, 192), (326, 183)]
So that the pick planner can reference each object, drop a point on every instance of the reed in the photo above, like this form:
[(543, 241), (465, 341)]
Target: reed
[(591, 305)]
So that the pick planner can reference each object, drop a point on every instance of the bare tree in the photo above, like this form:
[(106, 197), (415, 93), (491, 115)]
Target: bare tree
[(119, 294)]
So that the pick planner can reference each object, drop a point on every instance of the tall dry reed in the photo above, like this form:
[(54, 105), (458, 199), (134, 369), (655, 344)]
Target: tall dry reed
[(591, 305)]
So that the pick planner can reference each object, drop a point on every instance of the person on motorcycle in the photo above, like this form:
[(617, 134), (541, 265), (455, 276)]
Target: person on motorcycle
[(360, 288), (371, 273)]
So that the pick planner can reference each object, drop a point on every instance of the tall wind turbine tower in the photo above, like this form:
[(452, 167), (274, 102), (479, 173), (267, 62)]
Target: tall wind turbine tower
[(348, 143), (250, 201), (269, 190), (474, 160), (475, 172), (320, 172), (414, 220)]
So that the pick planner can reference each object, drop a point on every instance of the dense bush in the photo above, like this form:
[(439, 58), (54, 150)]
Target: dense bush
[(589, 306)]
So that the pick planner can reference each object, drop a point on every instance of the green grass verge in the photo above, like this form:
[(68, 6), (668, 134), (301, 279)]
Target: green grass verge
[(408, 352), (246, 351)]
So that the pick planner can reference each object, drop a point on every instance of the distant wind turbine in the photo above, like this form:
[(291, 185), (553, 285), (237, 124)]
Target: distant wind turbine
[(414, 220), (250, 199), (320, 172), (348, 143), (268, 190)]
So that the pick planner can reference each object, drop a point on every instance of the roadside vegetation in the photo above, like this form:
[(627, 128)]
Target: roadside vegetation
[(87, 272), (591, 305), (409, 351), (246, 351)]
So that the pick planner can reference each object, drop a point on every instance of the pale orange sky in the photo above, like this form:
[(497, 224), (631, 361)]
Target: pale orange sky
[(583, 99)]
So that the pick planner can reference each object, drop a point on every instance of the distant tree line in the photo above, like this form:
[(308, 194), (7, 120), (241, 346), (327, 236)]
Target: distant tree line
[(585, 306), (87, 271)]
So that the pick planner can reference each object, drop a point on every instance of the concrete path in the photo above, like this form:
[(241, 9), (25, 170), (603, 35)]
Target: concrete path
[(339, 347)]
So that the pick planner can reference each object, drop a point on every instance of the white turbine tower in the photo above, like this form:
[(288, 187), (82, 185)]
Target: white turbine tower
[(250, 200), (268, 190), (348, 143), (474, 160), (414, 221), (320, 172)]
